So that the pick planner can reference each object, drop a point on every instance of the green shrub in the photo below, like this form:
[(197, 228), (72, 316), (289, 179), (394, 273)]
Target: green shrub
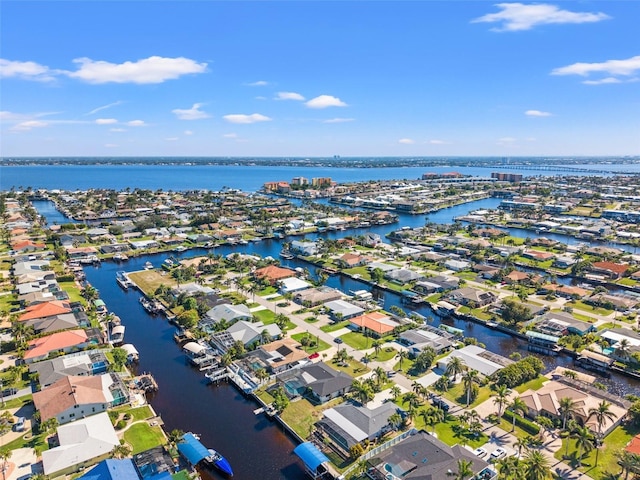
[(526, 425)]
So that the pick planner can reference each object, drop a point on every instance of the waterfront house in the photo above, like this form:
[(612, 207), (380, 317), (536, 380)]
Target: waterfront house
[(342, 310), (559, 324), (565, 291), (74, 397), (312, 297), (273, 274), (403, 276), (516, 276), (90, 362), (304, 248), (457, 265), (292, 284), (227, 312), (47, 309), (538, 255), (424, 337), (249, 333), (546, 402), (618, 302), (421, 456), (54, 323), (614, 337), (279, 355), (351, 260), (81, 442), (376, 324), (348, 425), (477, 358), (564, 261), (82, 253), (62, 342), (318, 381), (471, 297), (112, 469), (610, 269), (370, 239)]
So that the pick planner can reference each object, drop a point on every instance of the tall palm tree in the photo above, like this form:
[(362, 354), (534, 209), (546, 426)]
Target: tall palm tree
[(455, 367), (381, 375), (468, 378), (401, 356), (585, 441), (536, 466), (464, 469), (630, 463), (395, 420), (501, 398), (395, 393), (517, 406), (568, 409), (519, 444), (377, 346), (602, 413), (412, 399), (622, 349)]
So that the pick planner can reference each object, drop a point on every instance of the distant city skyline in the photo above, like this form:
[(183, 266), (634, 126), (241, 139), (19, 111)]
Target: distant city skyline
[(297, 78)]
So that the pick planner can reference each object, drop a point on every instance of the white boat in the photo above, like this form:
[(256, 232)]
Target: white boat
[(148, 266)]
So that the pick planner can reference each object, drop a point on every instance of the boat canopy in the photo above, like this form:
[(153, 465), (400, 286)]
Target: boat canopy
[(191, 448), (130, 349), (310, 455), (194, 348), (118, 330)]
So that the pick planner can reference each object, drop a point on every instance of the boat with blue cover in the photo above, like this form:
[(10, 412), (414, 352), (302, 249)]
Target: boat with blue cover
[(221, 463)]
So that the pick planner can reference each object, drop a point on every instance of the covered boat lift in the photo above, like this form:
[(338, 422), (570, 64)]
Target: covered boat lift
[(312, 458), (191, 449)]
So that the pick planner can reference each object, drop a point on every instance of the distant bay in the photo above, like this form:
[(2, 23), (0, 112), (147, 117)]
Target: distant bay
[(214, 177)]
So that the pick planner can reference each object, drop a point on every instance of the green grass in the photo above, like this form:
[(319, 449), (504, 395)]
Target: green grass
[(607, 461), (385, 354), (8, 303), (458, 394), (141, 437), (267, 291), (265, 316), (332, 327), (181, 475), (629, 282), (589, 308), (357, 340), (534, 384), (138, 413), (72, 290), (507, 426), (300, 416), (264, 396), (321, 346), (435, 298), (29, 441), (352, 367), (362, 271)]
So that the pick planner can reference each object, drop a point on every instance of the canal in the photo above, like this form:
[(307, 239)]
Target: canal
[(256, 447)]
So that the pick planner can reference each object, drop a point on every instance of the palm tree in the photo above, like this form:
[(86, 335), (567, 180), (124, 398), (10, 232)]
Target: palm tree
[(412, 399), (585, 441), (622, 349), (377, 346), (121, 451), (519, 444), (455, 367), (381, 375), (568, 410), (501, 398), (536, 466), (629, 463), (401, 356), (517, 406), (395, 393), (468, 378), (464, 469), (602, 414), (395, 420)]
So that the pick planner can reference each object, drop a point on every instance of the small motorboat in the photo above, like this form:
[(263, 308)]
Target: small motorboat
[(221, 463)]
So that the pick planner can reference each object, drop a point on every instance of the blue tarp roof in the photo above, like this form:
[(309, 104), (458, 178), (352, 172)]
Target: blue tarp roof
[(310, 455), (191, 448), (160, 476), (112, 470)]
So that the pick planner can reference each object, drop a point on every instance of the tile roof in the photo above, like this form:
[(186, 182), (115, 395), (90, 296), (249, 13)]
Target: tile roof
[(42, 346), (47, 309)]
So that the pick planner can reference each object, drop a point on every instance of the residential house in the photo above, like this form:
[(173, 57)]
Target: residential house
[(71, 398), (477, 358), (538, 255), (472, 297), (610, 269), (422, 456), (82, 364), (83, 441), (312, 297), (559, 324), (403, 276), (457, 265), (248, 333), (279, 355), (342, 310), (370, 239), (351, 260), (292, 284), (304, 248), (348, 425), (424, 337), (227, 312), (54, 323), (43, 310), (40, 348), (273, 274), (318, 381), (112, 469), (546, 402), (376, 324)]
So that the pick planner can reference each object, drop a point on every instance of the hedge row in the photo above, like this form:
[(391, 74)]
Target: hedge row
[(527, 425)]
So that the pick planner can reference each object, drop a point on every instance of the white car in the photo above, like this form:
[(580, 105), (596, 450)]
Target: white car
[(480, 452), (498, 453)]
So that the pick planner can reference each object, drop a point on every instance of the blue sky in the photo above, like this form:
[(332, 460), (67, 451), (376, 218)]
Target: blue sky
[(304, 78)]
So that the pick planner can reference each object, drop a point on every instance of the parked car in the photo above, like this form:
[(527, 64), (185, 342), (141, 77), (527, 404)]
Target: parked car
[(498, 453), (480, 452), (438, 402), (338, 340), (7, 392)]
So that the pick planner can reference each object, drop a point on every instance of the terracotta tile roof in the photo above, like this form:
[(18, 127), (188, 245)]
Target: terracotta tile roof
[(67, 392), (634, 445), (44, 345), (26, 244), (274, 273), (610, 266), (47, 309), (375, 321)]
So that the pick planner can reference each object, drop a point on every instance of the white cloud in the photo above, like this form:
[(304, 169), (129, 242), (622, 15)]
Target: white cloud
[(148, 70), (25, 70), (106, 121), (627, 67), (137, 123), (230, 135), (602, 81), (188, 132), (117, 130), (289, 96), (28, 125), (193, 113), (339, 120), (104, 107), (406, 141), (259, 83), (537, 113), (324, 101), (518, 16), (244, 119)]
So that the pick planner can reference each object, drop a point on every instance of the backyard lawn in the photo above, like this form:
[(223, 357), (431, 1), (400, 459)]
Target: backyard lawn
[(142, 436), (150, 280), (458, 394), (385, 354), (534, 384), (332, 327), (351, 367), (321, 345), (265, 316)]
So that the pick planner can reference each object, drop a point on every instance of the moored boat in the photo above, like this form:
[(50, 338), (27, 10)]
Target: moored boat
[(219, 462)]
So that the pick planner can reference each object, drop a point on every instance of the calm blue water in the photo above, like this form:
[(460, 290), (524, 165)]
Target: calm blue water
[(214, 177)]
